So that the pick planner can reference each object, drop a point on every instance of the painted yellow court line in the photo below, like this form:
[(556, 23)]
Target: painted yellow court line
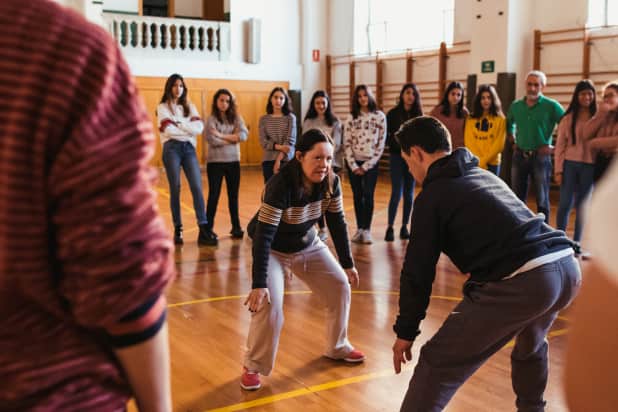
[(292, 292), (308, 292), (231, 297), (304, 391), (333, 384)]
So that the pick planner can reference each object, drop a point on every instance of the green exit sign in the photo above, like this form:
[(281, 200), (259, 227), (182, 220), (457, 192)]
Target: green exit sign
[(487, 66)]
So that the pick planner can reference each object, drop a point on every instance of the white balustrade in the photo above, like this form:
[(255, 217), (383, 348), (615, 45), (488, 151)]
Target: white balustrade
[(162, 36)]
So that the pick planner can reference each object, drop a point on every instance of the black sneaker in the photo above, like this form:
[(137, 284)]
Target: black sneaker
[(206, 237), (403, 233), (390, 235), (237, 233), (577, 248), (178, 235)]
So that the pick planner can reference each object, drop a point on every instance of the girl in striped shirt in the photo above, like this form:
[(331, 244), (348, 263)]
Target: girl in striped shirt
[(277, 132)]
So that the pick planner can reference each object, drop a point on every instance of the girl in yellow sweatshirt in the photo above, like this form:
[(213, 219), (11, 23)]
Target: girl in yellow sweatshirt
[(485, 130)]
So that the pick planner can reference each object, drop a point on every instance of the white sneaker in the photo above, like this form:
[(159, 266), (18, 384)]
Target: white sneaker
[(357, 238), (366, 237), (323, 235)]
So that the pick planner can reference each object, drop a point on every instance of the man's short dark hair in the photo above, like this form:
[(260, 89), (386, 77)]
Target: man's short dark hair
[(426, 132)]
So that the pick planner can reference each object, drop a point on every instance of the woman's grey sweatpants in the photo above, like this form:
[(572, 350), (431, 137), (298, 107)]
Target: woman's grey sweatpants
[(318, 268)]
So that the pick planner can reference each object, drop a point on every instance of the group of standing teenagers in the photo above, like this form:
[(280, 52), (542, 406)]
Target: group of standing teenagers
[(179, 125)]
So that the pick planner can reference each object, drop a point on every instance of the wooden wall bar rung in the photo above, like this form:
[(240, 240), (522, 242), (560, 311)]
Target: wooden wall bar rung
[(559, 84), (451, 52), (340, 63), (393, 58), (548, 32), (546, 42), (563, 74), (609, 36), (609, 72)]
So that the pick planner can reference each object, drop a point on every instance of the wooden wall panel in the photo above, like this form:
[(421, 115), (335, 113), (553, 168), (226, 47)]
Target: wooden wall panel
[(251, 96)]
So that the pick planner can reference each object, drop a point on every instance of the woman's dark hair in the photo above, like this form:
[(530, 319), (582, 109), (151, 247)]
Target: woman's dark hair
[(306, 142), (328, 115), (417, 107), (574, 106), (445, 106), (167, 93), (496, 105), (356, 109), (287, 104), (230, 113)]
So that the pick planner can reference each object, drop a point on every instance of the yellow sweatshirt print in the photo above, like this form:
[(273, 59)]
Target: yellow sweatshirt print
[(485, 137)]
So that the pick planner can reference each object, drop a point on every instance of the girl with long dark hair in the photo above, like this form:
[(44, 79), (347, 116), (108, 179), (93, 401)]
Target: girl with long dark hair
[(364, 137), (574, 159), (225, 129), (603, 130), (402, 183), (277, 132), (485, 130), (179, 125), (452, 113)]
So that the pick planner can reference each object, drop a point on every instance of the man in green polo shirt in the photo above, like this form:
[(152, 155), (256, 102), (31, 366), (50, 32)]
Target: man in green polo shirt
[(530, 123)]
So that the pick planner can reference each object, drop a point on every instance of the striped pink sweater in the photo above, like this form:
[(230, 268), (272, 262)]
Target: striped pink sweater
[(81, 243)]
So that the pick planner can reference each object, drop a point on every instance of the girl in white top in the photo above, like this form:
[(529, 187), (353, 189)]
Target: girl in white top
[(363, 142), (179, 125)]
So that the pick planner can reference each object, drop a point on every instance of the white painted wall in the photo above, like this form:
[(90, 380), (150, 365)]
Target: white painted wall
[(341, 27), (520, 40), (513, 47), (188, 8), (488, 36), (128, 6), (314, 35)]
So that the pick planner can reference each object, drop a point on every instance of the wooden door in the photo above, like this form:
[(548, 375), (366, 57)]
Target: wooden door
[(152, 96)]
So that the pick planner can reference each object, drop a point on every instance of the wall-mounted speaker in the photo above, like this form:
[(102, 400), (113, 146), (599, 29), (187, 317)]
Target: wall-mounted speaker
[(506, 91), (296, 98), (253, 36)]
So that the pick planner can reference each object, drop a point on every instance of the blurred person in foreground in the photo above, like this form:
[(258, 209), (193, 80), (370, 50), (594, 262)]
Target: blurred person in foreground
[(85, 257)]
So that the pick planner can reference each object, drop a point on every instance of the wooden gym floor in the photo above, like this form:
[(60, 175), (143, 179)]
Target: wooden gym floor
[(208, 324)]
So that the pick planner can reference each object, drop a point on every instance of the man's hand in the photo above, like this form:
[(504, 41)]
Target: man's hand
[(359, 171), (256, 299), (402, 353), (353, 278), (558, 179)]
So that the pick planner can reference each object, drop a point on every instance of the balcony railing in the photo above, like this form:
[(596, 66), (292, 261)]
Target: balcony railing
[(207, 39)]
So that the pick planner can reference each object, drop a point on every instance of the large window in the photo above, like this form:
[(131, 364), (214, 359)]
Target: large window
[(602, 13), (389, 25)]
